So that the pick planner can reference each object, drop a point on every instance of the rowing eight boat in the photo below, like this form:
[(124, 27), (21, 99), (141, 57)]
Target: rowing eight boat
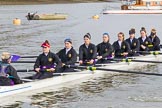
[(57, 80)]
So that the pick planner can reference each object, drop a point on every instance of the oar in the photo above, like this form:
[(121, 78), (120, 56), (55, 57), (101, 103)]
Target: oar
[(59, 73), (25, 70), (133, 60), (23, 62), (31, 56), (16, 57), (120, 60), (112, 70), (160, 46), (32, 70), (150, 52)]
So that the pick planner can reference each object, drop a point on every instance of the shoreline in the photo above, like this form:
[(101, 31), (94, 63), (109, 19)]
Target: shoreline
[(37, 2)]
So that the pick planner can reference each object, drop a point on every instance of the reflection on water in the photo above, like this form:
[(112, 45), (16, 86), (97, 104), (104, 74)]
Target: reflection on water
[(96, 85), (51, 99)]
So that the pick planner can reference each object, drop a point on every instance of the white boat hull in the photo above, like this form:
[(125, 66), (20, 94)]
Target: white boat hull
[(144, 7), (11, 90), (132, 12)]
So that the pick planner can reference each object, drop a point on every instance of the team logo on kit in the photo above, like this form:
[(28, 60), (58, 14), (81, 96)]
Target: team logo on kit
[(123, 46), (134, 44), (69, 55), (91, 51), (106, 49), (50, 59), (146, 42)]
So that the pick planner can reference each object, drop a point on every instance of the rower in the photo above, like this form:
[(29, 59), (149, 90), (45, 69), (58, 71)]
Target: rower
[(8, 74), (121, 47), (87, 51), (46, 63), (155, 41), (145, 42), (104, 49), (68, 56), (133, 43)]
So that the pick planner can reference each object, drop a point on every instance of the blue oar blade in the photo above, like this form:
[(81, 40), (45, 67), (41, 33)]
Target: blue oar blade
[(15, 57)]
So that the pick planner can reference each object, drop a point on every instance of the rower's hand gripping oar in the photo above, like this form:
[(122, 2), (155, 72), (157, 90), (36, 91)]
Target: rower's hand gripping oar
[(112, 70)]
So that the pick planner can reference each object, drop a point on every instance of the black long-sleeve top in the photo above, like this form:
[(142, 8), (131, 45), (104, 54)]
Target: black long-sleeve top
[(87, 53), (48, 61), (134, 46), (155, 42), (146, 43), (104, 49), (120, 50), (70, 58)]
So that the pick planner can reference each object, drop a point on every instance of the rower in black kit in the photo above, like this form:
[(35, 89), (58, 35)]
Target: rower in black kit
[(68, 56), (133, 43), (47, 63), (87, 52), (104, 50)]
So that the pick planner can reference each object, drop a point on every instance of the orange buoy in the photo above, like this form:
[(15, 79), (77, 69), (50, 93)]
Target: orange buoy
[(95, 17), (17, 21)]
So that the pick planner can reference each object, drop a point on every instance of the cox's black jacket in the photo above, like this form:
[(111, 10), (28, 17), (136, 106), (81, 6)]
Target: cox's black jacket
[(11, 71)]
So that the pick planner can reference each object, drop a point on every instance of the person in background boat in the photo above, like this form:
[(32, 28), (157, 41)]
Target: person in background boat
[(30, 16), (68, 56), (155, 40), (46, 63), (133, 43), (145, 42), (87, 52), (104, 49), (121, 47), (8, 74)]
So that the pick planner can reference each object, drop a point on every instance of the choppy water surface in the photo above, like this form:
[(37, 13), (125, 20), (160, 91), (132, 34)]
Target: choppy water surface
[(107, 91)]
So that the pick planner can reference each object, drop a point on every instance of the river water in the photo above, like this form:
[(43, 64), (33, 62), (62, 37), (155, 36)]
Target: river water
[(117, 91)]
